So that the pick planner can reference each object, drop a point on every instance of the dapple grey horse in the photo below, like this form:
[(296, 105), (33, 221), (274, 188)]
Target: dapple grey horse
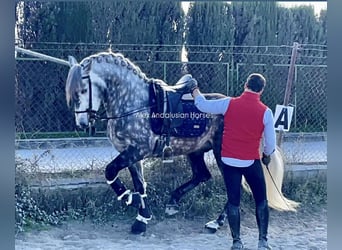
[(112, 80)]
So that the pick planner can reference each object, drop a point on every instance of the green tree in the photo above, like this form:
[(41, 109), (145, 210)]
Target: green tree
[(144, 31), (255, 23), (41, 87), (212, 24), (322, 30), (53, 22), (300, 24)]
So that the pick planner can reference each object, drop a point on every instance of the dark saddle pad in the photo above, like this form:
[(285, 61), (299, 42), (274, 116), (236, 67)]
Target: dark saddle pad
[(173, 116)]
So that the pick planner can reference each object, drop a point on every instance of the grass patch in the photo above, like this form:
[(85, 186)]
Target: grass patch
[(308, 191)]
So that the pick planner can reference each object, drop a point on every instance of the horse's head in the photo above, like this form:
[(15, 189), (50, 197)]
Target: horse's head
[(84, 92)]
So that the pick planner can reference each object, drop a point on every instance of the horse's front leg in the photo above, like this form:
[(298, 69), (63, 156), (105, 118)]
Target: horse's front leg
[(144, 214), (129, 158), (125, 159)]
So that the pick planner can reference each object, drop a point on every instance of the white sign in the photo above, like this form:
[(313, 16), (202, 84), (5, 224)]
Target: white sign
[(283, 117)]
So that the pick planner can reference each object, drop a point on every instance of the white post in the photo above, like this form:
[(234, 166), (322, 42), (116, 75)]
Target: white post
[(42, 56)]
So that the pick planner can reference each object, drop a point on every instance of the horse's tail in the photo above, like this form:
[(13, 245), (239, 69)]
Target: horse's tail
[(274, 181)]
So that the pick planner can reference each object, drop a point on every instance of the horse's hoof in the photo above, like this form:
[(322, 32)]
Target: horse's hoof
[(211, 230), (220, 222), (212, 226), (171, 209), (138, 227)]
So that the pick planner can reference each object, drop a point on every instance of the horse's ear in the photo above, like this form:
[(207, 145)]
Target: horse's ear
[(72, 61)]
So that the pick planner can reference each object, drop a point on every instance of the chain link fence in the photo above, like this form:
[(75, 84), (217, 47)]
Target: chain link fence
[(43, 117)]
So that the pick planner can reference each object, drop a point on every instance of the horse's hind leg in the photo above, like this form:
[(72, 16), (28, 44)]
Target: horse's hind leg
[(214, 225), (144, 214), (200, 174)]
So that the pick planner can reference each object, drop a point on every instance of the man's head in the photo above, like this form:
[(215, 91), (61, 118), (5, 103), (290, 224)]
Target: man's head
[(255, 82)]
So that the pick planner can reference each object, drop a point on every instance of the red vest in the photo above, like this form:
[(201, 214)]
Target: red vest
[(243, 127)]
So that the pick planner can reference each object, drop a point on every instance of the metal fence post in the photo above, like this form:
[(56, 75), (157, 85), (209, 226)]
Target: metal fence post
[(227, 68), (289, 85)]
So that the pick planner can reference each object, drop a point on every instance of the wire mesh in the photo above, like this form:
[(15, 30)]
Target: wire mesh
[(41, 110)]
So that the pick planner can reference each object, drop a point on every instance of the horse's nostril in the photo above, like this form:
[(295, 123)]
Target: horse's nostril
[(83, 123)]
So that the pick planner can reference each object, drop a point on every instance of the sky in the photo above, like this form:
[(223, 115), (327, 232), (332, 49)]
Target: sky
[(318, 6)]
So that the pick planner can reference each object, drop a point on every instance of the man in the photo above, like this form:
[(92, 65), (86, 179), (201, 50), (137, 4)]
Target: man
[(246, 121)]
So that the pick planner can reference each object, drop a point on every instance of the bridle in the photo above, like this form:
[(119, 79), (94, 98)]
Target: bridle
[(92, 114)]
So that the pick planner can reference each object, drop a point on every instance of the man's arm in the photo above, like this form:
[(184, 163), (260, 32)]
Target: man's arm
[(269, 133), (217, 106)]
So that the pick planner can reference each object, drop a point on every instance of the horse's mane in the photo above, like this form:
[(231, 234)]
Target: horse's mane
[(76, 72), (119, 60)]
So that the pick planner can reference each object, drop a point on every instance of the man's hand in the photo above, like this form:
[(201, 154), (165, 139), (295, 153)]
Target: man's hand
[(192, 85), (266, 159)]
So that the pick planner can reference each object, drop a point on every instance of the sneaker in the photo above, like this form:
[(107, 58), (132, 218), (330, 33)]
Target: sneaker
[(237, 245), (263, 245)]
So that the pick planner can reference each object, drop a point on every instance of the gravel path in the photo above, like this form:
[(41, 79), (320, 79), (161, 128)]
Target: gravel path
[(306, 229)]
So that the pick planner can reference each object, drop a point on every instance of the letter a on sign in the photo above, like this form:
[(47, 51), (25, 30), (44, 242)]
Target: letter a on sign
[(283, 117)]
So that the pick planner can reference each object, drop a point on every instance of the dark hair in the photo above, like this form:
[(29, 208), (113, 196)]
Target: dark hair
[(256, 82)]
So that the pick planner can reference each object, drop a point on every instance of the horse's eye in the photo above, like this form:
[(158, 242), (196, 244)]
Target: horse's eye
[(83, 91)]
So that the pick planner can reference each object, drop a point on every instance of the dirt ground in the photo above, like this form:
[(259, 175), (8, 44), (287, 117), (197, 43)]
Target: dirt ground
[(306, 229)]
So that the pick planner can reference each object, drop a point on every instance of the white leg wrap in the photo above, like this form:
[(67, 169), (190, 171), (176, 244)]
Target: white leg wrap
[(143, 219), (110, 182), (130, 198), (171, 209), (123, 194), (212, 225)]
